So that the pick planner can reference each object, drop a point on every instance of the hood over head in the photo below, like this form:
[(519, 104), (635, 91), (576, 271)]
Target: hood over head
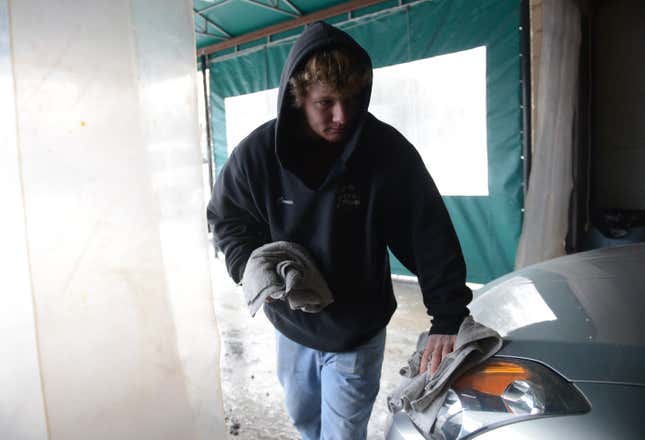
[(315, 37)]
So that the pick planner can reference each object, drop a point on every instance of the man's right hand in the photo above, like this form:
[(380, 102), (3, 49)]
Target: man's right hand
[(438, 347)]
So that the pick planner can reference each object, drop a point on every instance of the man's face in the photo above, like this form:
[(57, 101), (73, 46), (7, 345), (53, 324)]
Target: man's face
[(329, 115)]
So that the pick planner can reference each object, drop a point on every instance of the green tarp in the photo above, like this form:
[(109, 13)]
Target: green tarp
[(488, 226)]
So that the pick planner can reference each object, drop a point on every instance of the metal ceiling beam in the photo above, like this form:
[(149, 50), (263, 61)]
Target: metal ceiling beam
[(208, 8), (197, 26), (291, 5), (342, 8), (212, 23), (271, 8), (208, 34)]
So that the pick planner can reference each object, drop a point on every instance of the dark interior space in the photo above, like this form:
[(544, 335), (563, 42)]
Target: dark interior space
[(608, 200)]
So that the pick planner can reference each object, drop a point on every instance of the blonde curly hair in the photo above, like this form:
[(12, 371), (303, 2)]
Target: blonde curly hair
[(336, 67)]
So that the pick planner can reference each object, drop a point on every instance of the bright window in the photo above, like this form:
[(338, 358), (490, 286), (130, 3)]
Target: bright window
[(438, 104)]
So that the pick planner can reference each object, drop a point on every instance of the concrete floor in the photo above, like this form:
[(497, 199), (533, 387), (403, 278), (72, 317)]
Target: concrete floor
[(251, 392)]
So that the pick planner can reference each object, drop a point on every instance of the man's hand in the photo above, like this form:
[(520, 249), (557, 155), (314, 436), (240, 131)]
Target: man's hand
[(437, 348)]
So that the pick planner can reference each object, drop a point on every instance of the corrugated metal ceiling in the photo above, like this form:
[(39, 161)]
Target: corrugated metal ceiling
[(219, 20), (231, 23)]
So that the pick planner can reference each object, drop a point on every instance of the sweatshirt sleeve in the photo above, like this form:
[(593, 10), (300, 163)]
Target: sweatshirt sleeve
[(421, 235), (238, 226)]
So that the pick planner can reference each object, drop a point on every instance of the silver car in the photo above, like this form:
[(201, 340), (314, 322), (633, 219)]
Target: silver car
[(573, 361)]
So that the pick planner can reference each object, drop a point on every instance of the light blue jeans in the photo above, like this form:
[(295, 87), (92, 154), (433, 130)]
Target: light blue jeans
[(329, 396)]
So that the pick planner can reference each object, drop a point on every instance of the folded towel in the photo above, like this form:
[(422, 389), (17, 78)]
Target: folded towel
[(284, 271), (422, 395)]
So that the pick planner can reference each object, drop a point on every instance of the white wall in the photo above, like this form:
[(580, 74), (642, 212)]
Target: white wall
[(107, 326)]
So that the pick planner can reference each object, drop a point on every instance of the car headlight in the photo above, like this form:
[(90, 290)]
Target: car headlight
[(502, 391)]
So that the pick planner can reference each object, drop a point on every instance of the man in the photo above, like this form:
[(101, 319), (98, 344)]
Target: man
[(329, 176)]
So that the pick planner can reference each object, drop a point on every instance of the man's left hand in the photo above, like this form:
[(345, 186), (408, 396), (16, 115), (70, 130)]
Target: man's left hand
[(437, 348)]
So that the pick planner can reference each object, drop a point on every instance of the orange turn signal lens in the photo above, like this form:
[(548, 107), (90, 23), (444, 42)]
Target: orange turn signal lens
[(492, 377)]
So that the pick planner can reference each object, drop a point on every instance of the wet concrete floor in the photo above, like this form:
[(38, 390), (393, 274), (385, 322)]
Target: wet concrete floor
[(252, 396)]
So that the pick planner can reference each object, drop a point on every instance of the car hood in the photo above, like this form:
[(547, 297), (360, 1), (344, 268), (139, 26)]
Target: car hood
[(581, 315)]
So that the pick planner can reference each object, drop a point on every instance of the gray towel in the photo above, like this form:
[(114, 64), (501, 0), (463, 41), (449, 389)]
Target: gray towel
[(421, 395), (284, 271)]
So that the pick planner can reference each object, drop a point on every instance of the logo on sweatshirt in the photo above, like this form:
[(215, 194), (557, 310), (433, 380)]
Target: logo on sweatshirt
[(283, 201), (348, 197)]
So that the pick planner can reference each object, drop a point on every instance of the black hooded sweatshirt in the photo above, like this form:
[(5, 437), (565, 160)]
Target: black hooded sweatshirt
[(376, 194)]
